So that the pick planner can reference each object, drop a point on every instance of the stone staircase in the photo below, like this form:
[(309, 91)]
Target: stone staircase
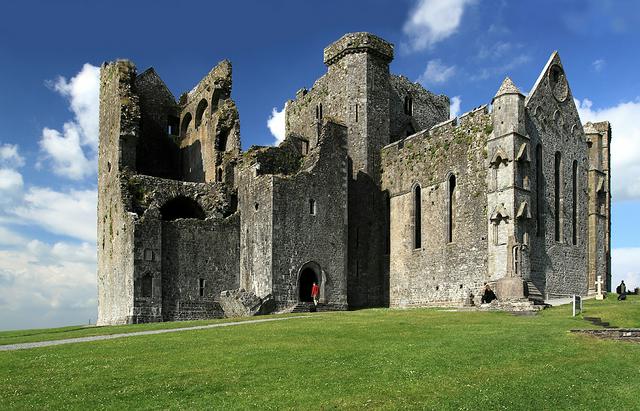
[(533, 294), (598, 321), (305, 307)]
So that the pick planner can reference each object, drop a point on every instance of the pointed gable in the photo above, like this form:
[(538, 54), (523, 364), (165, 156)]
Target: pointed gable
[(151, 78), (550, 99)]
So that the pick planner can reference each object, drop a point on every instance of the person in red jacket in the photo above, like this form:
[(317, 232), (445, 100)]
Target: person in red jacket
[(315, 290)]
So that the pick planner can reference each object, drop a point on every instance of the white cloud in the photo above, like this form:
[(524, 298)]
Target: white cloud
[(47, 285), (83, 92), (276, 124), (598, 65), (625, 144), (436, 73), (73, 151), (625, 265), (454, 109), (66, 153), (10, 180), (9, 156), (11, 184), (9, 237), (431, 21), (72, 213)]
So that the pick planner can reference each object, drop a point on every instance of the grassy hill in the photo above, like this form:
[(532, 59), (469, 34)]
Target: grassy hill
[(380, 358)]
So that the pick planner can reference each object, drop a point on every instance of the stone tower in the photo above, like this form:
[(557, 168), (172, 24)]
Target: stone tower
[(508, 193), (599, 140), (358, 63), (119, 129)]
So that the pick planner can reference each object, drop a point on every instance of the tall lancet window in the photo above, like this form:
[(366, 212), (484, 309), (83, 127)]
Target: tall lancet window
[(417, 217), (557, 193), (574, 210), (451, 208)]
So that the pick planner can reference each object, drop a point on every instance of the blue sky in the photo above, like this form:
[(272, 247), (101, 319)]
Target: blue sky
[(50, 53)]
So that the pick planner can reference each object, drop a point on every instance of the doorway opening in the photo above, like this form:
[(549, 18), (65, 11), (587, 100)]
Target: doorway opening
[(307, 277)]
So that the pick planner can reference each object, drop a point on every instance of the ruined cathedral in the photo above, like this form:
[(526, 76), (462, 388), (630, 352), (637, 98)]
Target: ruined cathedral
[(375, 194)]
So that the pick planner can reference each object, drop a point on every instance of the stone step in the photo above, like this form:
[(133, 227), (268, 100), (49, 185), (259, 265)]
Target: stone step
[(533, 294), (305, 307), (598, 321)]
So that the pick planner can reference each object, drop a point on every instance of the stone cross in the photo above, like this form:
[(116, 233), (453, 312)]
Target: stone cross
[(599, 295)]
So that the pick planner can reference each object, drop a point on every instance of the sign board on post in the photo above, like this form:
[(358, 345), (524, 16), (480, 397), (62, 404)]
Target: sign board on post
[(577, 304)]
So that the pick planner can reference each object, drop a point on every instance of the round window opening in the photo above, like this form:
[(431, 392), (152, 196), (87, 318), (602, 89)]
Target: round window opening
[(558, 83)]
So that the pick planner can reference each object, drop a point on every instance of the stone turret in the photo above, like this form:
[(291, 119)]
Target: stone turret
[(508, 109), (509, 192), (598, 137)]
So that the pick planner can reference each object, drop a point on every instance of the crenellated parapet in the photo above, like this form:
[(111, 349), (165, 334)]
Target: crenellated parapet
[(362, 42)]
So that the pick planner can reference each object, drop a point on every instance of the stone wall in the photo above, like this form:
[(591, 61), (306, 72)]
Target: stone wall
[(425, 111), (194, 250), (438, 270), (182, 212), (558, 267), (255, 200), (156, 149), (119, 119), (176, 253), (310, 222), (209, 128)]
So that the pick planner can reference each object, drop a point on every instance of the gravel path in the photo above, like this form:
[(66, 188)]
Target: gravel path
[(24, 346)]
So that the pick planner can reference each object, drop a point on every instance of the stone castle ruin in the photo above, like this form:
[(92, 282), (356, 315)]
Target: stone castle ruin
[(375, 194)]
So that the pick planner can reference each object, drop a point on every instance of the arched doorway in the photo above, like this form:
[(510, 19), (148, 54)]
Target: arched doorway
[(308, 276)]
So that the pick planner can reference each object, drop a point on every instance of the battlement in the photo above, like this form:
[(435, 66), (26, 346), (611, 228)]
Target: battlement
[(361, 42)]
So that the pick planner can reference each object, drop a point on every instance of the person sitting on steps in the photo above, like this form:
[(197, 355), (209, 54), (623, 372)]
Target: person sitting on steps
[(488, 295)]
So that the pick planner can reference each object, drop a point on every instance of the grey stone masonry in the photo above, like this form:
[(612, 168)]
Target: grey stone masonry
[(375, 195)]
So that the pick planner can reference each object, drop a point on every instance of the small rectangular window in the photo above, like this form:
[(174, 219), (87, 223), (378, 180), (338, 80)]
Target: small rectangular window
[(201, 285), (173, 124), (312, 207)]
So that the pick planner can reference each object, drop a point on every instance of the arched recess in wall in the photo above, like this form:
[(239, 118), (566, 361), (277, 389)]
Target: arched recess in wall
[(498, 176), (499, 219), (215, 99), (202, 106), (184, 125), (309, 273), (408, 105), (181, 207), (221, 140)]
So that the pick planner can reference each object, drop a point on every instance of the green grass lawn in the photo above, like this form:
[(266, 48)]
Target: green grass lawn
[(62, 333), (419, 358)]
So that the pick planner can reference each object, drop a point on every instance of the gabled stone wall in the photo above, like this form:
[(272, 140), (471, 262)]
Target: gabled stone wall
[(438, 271)]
